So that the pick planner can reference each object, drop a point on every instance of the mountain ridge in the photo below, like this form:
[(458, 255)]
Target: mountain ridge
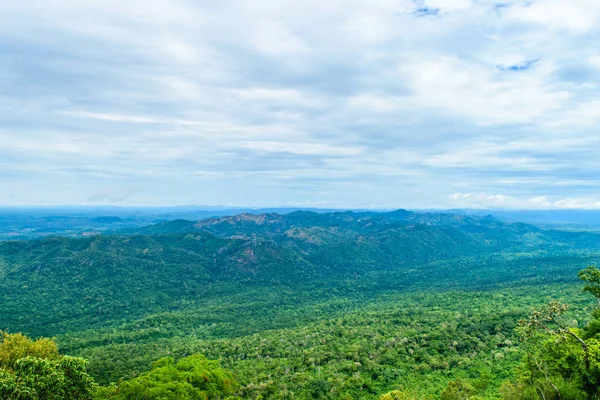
[(164, 266)]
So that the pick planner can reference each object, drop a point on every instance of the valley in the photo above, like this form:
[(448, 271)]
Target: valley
[(300, 305)]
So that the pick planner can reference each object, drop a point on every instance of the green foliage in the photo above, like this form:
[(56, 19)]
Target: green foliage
[(517, 391), (417, 341), (562, 361), (545, 319), (37, 378), (303, 306), (63, 285), (458, 389), (591, 275), (14, 347), (32, 369), (397, 395), (192, 378)]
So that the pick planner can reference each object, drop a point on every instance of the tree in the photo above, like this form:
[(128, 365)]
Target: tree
[(458, 389), (547, 319), (33, 369), (561, 362), (397, 395), (14, 347), (37, 378), (591, 275), (192, 378)]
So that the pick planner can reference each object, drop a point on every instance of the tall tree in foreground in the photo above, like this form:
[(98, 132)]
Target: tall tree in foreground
[(191, 378), (32, 370), (562, 362)]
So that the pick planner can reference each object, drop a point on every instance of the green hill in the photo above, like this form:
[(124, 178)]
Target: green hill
[(179, 287), (56, 284)]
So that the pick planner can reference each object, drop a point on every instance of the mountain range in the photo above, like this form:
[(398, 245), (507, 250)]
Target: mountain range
[(58, 283)]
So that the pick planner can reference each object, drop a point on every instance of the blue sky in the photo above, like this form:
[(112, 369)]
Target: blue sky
[(335, 103)]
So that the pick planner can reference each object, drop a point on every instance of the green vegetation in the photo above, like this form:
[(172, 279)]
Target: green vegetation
[(306, 306), (562, 361), (32, 370), (191, 378)]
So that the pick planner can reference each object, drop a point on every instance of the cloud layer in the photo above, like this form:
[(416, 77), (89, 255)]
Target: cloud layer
[(434, 103)]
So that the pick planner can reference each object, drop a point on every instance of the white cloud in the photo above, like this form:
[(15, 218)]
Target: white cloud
[(369, 28), (574, 15), (327, 100), (277, 40), (112, 117), (301, 148), (483, 200), (584, 115), (279, 96), (450, 5), (375, 102), (482, 93)]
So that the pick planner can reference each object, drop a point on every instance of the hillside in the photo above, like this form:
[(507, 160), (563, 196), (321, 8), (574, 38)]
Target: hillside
[(65, 283), (271, 224), (225, 284)]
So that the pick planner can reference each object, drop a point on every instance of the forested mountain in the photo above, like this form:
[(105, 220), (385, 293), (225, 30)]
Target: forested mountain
[(273, 223), (106, 277), (351, 288), (39, 222), (327, 228)]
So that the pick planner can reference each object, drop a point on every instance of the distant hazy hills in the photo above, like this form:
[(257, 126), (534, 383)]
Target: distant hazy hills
[(18, 223), (272, 224)]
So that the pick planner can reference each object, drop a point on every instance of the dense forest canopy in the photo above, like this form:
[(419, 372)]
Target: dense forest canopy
[(341, 305)]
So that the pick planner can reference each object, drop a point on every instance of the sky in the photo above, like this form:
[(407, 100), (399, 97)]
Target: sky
[(328, 103)]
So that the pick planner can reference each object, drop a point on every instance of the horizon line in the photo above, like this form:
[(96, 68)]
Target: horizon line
[(202, 207)]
